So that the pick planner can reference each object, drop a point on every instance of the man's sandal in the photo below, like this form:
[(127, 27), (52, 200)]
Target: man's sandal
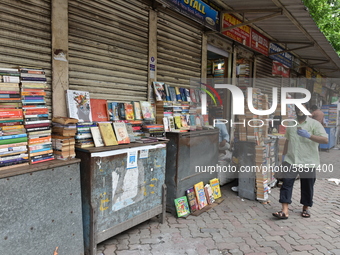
[(305, 214), (281, 215)]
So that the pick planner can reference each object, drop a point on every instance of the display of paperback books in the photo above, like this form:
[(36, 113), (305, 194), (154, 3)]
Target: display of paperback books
[(9, 75), (84, 136), (182, 206), (36, 117), (78, 105)]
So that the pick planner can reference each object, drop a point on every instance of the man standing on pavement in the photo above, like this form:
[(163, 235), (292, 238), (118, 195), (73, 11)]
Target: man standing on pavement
[(223, 139), (317, 114), (301, 157)]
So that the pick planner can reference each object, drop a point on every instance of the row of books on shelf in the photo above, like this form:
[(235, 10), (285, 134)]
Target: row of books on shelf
[(197, 197), (164, 92), (182, 123), (85, 109), (98, 134)]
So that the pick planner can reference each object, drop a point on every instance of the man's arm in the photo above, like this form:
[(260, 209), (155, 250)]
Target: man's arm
[(285, 148), (319, 139)]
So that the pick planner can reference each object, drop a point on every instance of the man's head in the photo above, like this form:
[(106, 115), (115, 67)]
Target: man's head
[(300, 115), (314, 107)]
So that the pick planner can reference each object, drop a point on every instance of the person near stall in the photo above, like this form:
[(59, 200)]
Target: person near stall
[(301, 156), (317, 114), (223, 139)]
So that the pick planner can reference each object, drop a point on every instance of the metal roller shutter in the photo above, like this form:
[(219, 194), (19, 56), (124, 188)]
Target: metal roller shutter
[(108, 49), (26, 36), (264, 78), (179, 49)]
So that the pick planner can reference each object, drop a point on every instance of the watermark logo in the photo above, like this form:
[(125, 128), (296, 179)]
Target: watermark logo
[(238, 100)]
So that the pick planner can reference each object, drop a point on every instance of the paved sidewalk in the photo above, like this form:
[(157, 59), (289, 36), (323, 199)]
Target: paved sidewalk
[(238, 226)]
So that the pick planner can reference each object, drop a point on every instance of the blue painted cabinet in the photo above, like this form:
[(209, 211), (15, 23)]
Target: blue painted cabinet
[(118, 194), (331, 131)]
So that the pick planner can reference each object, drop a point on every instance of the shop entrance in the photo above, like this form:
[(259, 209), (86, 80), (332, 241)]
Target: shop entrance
[(218, 71)]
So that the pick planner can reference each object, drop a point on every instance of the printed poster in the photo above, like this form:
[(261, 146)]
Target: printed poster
[(132, 159)]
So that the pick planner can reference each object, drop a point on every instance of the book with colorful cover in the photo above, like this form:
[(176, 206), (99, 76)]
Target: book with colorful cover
[(200, 195), (147, 110), (99, 109), (121, 132), (78, 105), (159, 90), (209, 194), (192, 199), (107, 133), (167, 92), (215, 186), (182, 206), (137, 110), (129, 113), (121, 111)]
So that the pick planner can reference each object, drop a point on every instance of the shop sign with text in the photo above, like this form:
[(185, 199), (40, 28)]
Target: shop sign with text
[(202, 11), (285, 57), (240, 34), (259, 42)]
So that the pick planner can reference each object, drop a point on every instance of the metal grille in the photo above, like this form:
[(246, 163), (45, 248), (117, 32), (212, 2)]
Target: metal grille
[(108, 49), (25, 36), (264, 78), (179, 49)]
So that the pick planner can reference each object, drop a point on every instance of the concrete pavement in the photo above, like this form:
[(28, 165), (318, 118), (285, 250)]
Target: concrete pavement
[(239, 226)]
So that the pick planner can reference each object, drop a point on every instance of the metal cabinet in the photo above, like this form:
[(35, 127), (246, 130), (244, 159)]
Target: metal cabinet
[(41, 209), (331, 131), (191, 158), (116, 197)]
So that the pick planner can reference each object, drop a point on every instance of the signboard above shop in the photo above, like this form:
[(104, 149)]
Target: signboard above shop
[(284, 58), (259, 42), (202, 11), (239, 34)]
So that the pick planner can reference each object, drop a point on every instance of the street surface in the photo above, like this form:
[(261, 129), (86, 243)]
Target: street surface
[(240, 226)]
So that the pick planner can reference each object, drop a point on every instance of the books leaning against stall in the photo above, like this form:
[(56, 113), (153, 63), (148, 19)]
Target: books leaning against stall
[(63, 132), (36, 117), (84, 136)]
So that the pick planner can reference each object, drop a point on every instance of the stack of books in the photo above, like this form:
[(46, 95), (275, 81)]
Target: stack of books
[(36, 117), (13, 137), (83, 136), (154, 130), (63, 133), (9, 75)]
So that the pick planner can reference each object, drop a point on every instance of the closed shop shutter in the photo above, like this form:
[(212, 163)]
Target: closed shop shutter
[(25, 36), (264, 78), (179, 49), (108, 49)]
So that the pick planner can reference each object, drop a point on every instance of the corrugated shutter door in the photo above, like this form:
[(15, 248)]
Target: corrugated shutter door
[(108, 49), (179, 49), (264, 78), (26, 36)]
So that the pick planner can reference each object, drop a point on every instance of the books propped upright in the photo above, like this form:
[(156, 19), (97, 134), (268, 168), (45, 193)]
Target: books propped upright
[(78, 105), (121, 132), (107, 133), (200, 195), (182, 207)]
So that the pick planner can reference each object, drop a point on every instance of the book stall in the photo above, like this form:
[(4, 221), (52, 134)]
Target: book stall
[(48, 202), (123, 155), (331, 123), (256, 150), (192, 148)]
